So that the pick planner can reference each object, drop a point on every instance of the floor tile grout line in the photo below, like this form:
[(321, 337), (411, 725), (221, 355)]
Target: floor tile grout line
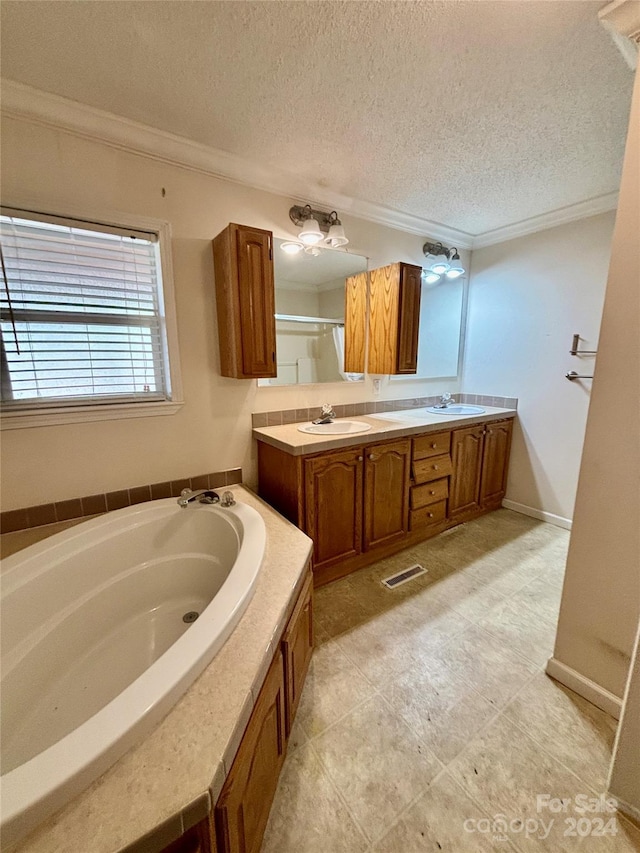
[(340, 795), (342, 717), (409, 806)]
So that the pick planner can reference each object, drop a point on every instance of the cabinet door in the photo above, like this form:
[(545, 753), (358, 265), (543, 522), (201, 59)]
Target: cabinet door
[(245, 302), (466, 457), (333, 506), (242, 810), (495, 461), (257, 302), (408, 318), (355, 322), (297, 648), (386, 493)]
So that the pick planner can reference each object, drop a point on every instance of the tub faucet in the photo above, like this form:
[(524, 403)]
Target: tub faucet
[(326, 414), (203, 496), (445, 401)]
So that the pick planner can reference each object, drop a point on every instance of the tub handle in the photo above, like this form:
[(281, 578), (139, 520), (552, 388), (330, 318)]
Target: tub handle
[(227, 499)]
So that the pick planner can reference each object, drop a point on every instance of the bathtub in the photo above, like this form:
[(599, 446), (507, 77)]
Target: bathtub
[(104, 627)]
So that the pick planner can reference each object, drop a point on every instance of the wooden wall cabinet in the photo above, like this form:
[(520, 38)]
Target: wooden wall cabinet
[(394, 316), (355, 322), (245, 302)]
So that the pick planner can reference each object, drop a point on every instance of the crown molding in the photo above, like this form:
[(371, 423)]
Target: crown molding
[(562, 216), (38, 107)]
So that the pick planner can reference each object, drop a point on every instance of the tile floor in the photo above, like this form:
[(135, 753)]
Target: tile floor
[(426, 711)]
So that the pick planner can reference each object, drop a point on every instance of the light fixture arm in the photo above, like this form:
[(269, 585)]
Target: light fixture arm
[(299, 214), (436, 249)]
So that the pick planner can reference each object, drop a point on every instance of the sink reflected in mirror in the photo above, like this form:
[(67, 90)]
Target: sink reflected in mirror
[(335, 428), (457, 409)]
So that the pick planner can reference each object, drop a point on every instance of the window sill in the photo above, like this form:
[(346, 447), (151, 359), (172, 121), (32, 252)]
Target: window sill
[(80, 414)]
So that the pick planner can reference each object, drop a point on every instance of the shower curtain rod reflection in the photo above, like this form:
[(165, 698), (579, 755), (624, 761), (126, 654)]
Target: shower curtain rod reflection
[(296, 318)]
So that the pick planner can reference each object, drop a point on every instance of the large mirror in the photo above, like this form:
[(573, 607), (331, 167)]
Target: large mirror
[(442, 313), (310, 315)]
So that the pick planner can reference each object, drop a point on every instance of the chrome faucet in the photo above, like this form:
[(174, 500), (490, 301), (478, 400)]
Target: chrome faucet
[(203, 496), (326, 415), (445, 401)]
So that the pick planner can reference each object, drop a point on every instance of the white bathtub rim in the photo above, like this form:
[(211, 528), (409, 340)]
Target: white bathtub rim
[(33, 791)]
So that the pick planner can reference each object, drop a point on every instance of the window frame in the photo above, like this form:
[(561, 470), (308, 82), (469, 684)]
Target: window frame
[(49, 415)]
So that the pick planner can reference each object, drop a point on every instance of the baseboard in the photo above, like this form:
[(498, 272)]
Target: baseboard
[(540, 514), (583, 686)]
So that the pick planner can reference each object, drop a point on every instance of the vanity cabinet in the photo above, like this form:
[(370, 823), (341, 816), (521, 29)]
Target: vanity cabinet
[(297, 648), (356, 500), (242, 810), (386, 493), (366, 502), (394, 316), (243, 806), (239, 818), (333, 500), (245, 302), (480, 457)]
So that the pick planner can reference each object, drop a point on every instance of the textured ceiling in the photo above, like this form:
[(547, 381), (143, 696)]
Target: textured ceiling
[(472, 114)]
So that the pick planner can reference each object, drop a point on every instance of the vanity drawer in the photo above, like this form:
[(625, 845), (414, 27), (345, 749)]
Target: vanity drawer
[(425, 470), (431, 445), (428, 515), (429, 493)]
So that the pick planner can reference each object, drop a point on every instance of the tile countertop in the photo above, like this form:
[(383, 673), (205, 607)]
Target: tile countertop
[(383, 426), (167, 783)]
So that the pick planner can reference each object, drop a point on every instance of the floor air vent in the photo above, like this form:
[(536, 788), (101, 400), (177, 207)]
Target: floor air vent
[(404, 576)]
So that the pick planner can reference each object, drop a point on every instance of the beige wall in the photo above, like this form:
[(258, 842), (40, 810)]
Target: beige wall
[(527, 299), (43, 166), (601, 596)]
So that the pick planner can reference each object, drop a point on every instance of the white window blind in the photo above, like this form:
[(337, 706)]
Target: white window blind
[(82, 315)]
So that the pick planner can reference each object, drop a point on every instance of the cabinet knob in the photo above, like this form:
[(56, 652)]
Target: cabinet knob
[(359, 458), (435, 467), (430, 514), (432, 492), (434, 445), (490, 431), (371, 457)]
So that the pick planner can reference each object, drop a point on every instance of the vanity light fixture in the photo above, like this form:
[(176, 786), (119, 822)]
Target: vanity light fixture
[(313, 223), (451, 267)]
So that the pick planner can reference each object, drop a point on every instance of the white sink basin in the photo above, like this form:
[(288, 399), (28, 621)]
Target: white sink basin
[(457, 409), (335, 428)]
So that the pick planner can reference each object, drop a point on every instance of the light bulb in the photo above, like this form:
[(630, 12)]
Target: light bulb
[(430, 277), (454, 272), (440, 267), (336, 236), (291, 248), (310, 233)]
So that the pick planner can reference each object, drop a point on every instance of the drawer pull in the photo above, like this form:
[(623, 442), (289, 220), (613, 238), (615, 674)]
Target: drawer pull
[(434, 445), (430, 514), (432, 492), (435, 467)]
